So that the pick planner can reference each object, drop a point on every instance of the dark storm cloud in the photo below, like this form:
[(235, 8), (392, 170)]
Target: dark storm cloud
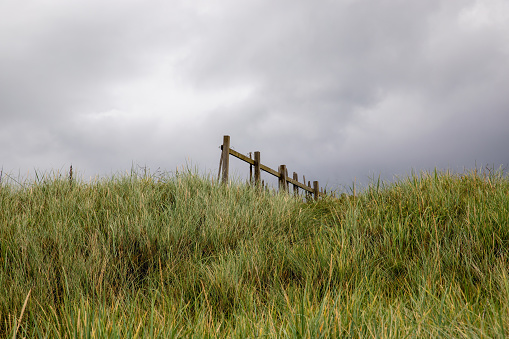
[(335, 89)]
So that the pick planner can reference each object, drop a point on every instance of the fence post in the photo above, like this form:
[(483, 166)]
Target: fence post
[(220, 165), (257, 167), (308, 194), (225, 157), (70, 176), (282, 178), (250, 169), (316, 189), (295, 187)]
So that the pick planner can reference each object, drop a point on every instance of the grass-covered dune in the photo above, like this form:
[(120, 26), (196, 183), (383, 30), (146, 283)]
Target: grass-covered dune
[(181, 255)]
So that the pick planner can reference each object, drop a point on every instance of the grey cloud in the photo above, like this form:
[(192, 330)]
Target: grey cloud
[(70, 59), (358, 66)]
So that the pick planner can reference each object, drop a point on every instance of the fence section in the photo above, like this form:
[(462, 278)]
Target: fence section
[(281, 174)]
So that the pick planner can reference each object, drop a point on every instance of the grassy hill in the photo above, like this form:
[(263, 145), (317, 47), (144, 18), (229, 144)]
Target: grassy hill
[(182, 256)]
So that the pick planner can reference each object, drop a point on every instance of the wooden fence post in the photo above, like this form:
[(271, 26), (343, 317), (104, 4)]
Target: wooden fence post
[(295, 187), (257, 168), (282, 178), (316, 189), (225, 157), (250, 170), (70, 176), (220, 164)]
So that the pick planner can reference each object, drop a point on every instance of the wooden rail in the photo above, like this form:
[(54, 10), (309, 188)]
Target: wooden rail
[(281, 174)]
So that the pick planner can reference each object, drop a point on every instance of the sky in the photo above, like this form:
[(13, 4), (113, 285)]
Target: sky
[(342, 91)]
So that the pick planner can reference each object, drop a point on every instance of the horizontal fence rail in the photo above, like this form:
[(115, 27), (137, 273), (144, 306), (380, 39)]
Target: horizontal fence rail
[(281, 174)]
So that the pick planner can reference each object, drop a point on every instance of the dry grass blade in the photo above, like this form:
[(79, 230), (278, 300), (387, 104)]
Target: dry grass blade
[(21, 315)]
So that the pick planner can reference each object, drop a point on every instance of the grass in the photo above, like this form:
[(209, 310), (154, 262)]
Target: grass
[(181, 256)]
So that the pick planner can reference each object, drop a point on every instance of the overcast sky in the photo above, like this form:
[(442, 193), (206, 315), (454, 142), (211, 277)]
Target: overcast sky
[(337, 90)]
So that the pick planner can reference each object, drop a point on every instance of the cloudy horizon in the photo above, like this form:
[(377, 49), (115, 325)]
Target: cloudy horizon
[(340, 91)]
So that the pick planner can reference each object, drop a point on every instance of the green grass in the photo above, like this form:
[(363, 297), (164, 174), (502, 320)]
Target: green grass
[(182, 256)]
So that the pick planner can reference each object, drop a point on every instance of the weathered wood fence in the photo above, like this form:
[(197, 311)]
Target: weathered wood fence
[(281, 174)]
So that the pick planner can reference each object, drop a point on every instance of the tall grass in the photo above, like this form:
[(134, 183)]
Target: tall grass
[(135, 256)]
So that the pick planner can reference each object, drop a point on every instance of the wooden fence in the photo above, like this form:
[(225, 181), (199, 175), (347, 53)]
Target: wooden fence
[(281, 174)]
